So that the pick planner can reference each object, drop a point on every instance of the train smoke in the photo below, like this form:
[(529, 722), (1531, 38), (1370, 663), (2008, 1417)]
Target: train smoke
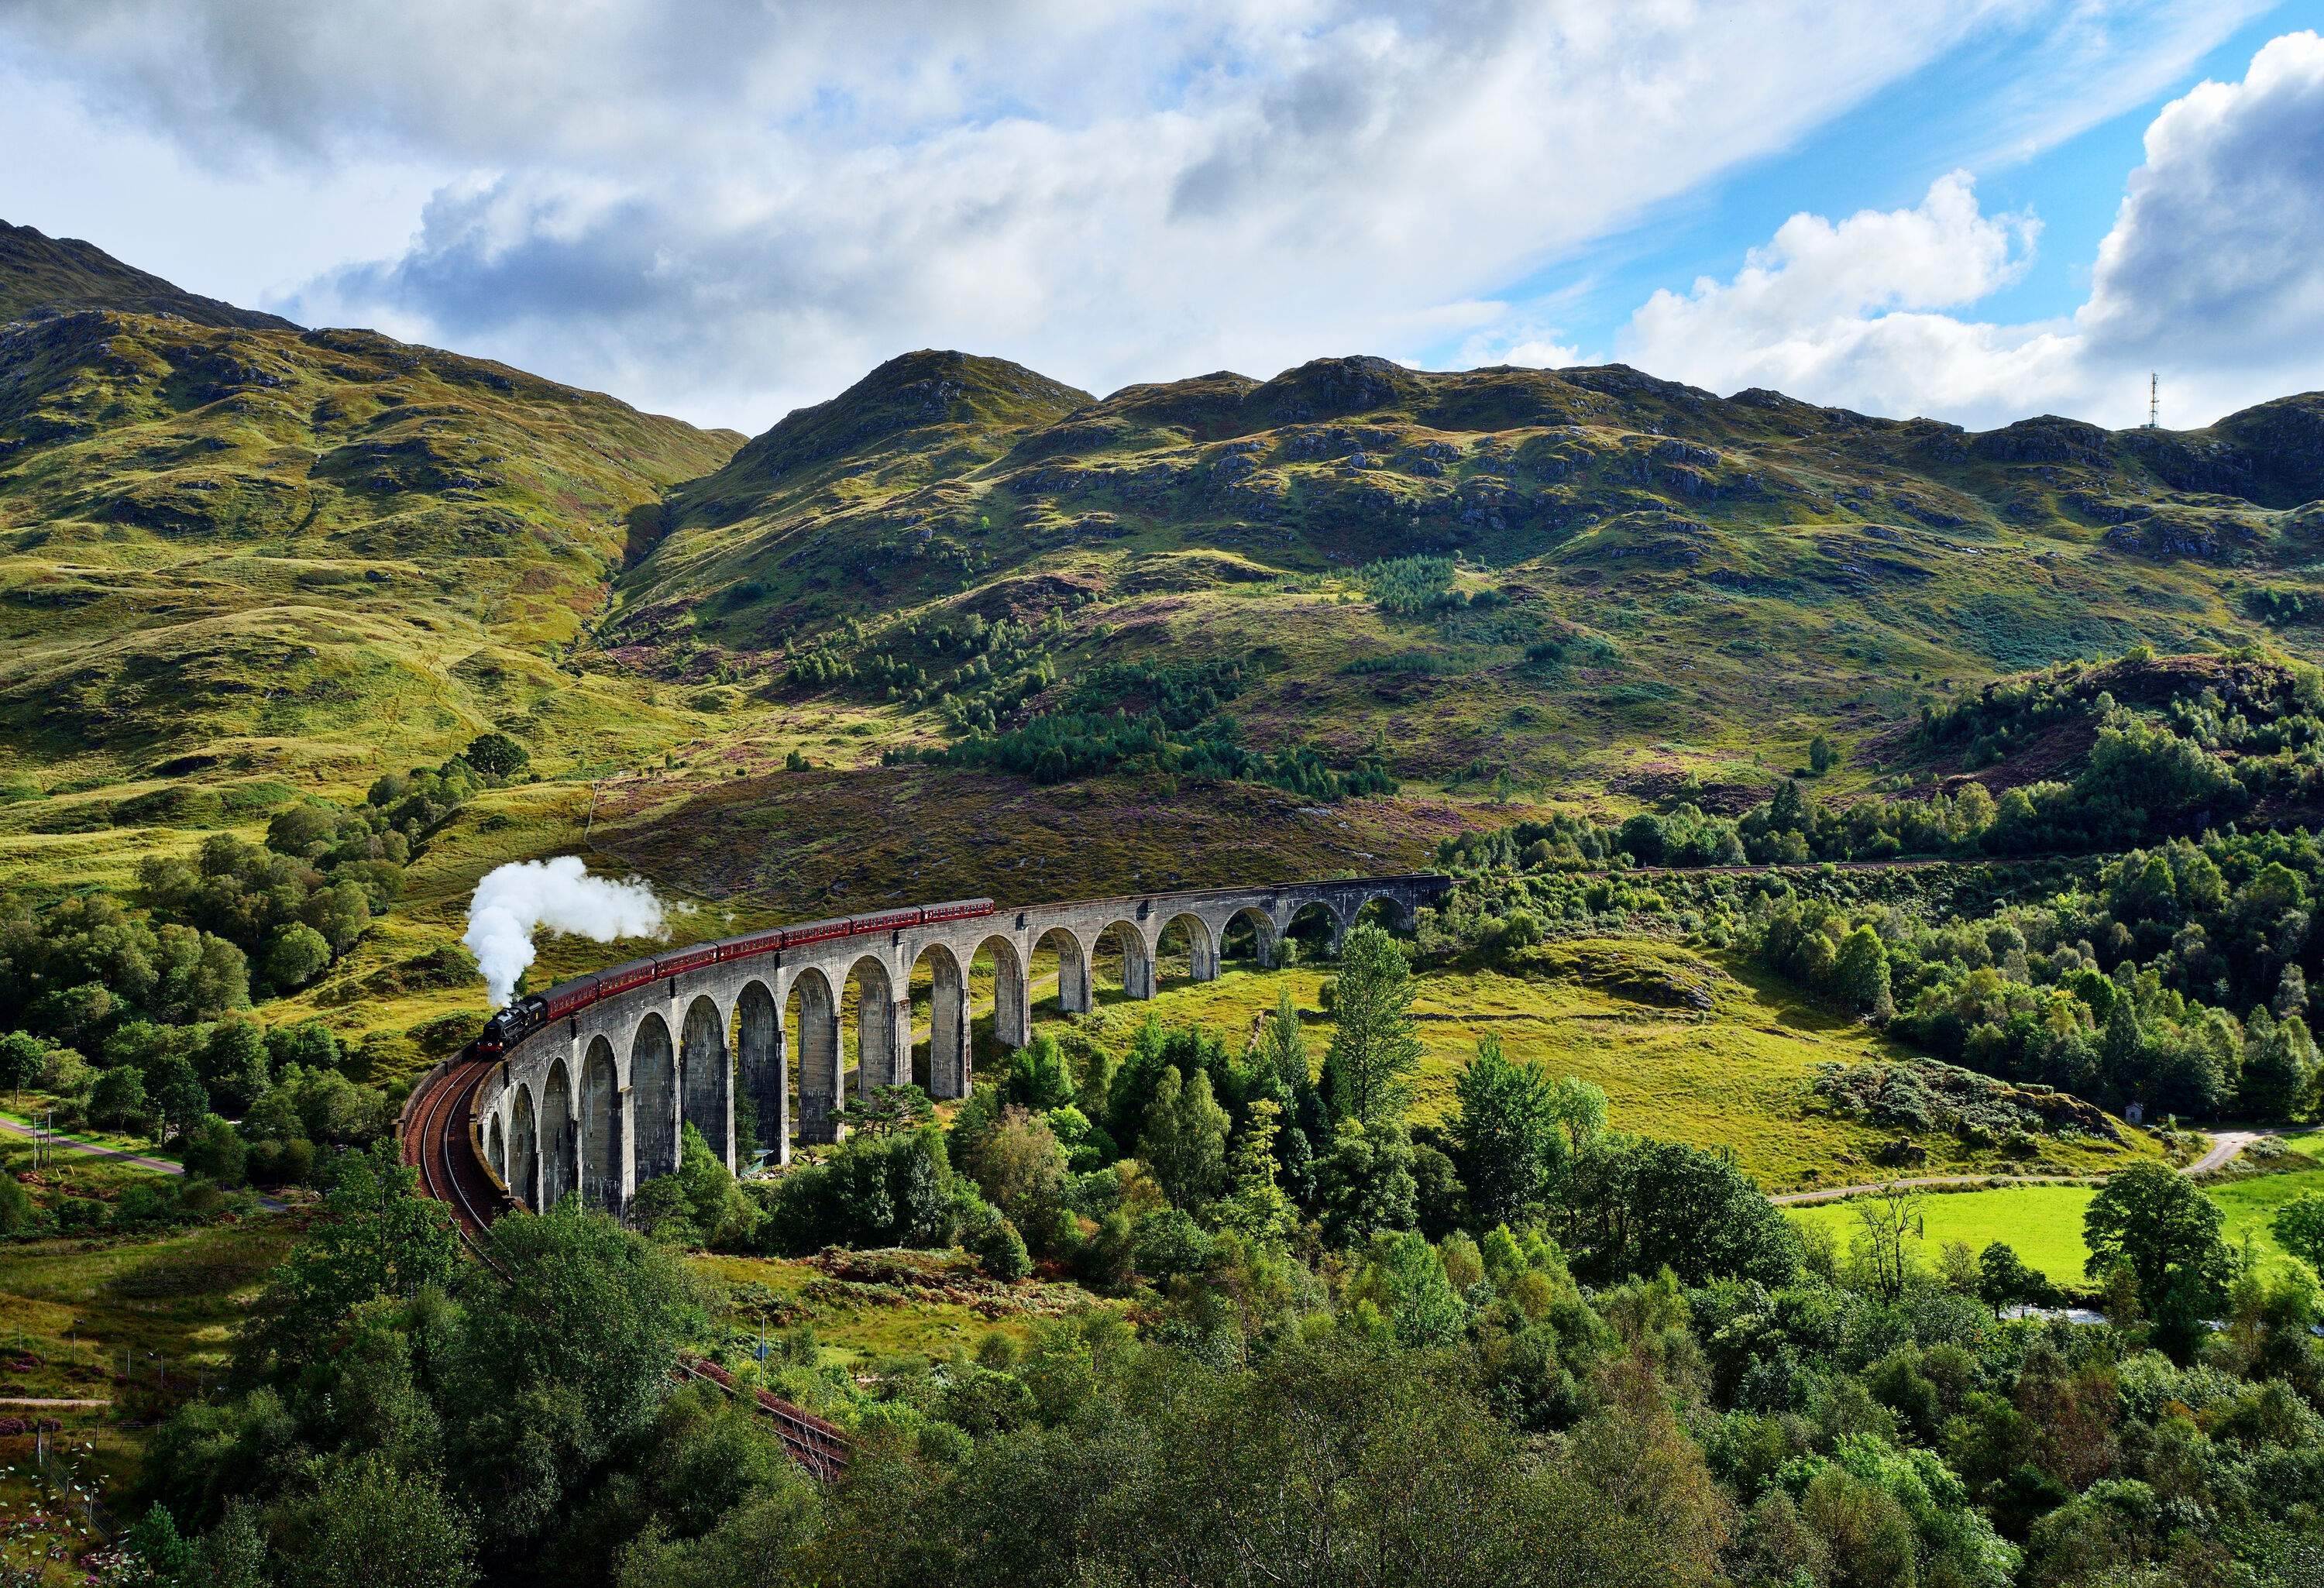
[(515, 900)]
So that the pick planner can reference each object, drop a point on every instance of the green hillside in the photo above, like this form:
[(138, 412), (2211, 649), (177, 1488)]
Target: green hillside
[(1582, 579), (963, 628), (251, 548), (40, 272)]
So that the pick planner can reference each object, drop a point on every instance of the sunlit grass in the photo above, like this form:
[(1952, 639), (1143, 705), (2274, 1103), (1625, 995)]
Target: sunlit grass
[(2043, 1224), (1736, 1075)]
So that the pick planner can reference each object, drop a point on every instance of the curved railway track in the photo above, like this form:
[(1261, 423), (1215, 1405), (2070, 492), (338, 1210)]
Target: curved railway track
[(436, 1143)]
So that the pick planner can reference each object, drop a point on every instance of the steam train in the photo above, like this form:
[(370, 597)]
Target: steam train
[(520, 1019)]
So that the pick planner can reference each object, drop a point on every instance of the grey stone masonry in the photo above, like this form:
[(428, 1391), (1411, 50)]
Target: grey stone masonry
[(595, 1103)]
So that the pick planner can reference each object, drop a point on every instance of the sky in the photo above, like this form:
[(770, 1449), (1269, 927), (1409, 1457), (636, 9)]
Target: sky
[(1974, 210)]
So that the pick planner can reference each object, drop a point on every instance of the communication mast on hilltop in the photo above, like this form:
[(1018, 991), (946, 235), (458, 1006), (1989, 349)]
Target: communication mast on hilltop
[(2154, 402)]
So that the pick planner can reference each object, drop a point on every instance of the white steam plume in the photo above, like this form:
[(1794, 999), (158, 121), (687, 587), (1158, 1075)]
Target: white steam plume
[(516, 899)]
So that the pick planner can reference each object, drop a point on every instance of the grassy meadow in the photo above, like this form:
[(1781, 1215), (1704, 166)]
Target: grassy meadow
[(69, 1304), (2045, 1222), (138, 1322), (1618, 1012), (866, 1307)]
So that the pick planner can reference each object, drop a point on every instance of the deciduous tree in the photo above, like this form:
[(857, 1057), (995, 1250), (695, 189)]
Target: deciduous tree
[(2163, 1227), (1369, 1065), (1504, 1130)]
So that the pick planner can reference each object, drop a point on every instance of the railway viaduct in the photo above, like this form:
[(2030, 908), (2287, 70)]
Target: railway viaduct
[(595, 1103)]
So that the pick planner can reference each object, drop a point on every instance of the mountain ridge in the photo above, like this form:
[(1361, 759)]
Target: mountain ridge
[(38, 272), (1595, 579), (223, 534)]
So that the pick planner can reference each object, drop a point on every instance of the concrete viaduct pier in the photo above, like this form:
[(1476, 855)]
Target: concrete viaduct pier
[(594, 1102)]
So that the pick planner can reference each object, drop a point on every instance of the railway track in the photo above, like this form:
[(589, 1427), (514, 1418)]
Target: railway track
[(817, 1445), (435, 1142)]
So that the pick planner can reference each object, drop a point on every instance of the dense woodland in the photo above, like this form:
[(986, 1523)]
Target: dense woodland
[(1320, 1347), (2170, 969)]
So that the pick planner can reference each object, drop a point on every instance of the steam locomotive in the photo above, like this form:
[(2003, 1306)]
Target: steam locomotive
[(520, 1019)]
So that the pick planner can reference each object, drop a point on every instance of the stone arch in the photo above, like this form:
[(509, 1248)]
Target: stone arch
[(653, 1099), (557, 1174), (601, 1127), (948, 1020), (1393, 912), (524, 1147), (1075, 991), (1259, 926), (819, 1055), (1012, 1007), (1315, 926), (758, 1072), (1201, 947), (496, 1147), (1136, 958), (706, 1076), (883, 1033)]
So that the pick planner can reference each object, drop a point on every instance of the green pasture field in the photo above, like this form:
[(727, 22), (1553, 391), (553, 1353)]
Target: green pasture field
[(2042, 1223), (2045, 1222)]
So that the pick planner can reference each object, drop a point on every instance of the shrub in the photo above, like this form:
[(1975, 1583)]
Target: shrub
[(496, 755), (893, 1190), (213, 1148), (295, 956), (994, 1242), (1168, 1244)]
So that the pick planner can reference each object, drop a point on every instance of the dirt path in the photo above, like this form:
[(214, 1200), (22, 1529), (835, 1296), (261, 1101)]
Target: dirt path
[(74, 1144), (9, 1127), (2226, 1146)]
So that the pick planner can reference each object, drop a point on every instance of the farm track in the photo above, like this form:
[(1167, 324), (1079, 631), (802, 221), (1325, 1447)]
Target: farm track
[(2226, 1147)]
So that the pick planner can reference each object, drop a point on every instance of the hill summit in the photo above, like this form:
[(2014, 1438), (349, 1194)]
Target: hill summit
[(38, 271)]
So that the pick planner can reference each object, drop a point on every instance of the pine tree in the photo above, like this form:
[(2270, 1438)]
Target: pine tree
[(1368, 1067), (1257, 1208), (1283, 1045), (1788, 812), (1184, 1140)]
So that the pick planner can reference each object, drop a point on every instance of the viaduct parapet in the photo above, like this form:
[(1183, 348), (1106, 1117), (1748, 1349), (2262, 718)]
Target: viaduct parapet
[(594, 1102)]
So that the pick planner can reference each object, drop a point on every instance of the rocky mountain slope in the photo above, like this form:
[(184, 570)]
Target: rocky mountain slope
[(1643, 576)]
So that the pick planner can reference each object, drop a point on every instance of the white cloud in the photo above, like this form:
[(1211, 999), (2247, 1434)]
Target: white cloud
[(1816, 275), (2213, 274), (726, 210), (1527, 346), (2217, 256), (723, 210)]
